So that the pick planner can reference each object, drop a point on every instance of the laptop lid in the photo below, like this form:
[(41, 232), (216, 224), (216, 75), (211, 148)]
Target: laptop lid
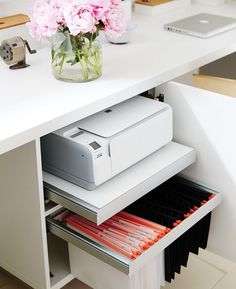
[(202, 25)]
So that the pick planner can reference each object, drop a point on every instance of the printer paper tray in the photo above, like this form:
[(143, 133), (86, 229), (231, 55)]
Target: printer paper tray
[(125, 188)]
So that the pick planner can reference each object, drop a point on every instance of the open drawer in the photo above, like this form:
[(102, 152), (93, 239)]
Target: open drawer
[(121, 191), (118, 262)]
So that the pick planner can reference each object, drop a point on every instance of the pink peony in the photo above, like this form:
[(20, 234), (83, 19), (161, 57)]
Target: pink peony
[(115, 2), (79, 17), (44, 19), (99, 8), (114, 23)]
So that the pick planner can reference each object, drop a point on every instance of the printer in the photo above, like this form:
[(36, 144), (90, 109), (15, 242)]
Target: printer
[(95, 149)]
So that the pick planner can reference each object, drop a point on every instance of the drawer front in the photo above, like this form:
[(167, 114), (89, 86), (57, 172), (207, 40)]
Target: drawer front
[(121, 191), (120, 262), (100, 252), (99, 275)]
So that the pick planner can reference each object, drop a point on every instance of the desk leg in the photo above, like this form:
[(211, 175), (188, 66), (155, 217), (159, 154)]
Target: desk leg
[(23, 244)]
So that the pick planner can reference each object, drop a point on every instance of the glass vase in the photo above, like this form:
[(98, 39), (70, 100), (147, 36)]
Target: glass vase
[(76, 58)]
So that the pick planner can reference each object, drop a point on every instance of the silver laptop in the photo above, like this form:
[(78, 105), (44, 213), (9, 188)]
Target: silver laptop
[(202, 25)]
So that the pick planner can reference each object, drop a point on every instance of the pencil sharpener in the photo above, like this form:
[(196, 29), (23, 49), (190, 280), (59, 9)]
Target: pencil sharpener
[(13, 52)]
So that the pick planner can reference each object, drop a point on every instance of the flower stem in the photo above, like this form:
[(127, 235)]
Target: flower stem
[(79, 56), (83, 69), (61, 63)]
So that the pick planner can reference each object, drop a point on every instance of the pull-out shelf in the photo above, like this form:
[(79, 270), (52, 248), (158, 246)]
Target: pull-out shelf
[(121, 191), (120, 262)]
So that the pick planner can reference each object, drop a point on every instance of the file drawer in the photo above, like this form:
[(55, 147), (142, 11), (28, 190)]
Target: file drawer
[(121, 191), (116, 262)]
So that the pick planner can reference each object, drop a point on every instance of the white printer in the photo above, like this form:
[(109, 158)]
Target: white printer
[(97, 148)]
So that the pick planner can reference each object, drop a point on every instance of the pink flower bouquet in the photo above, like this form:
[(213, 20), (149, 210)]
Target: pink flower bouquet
[(74, 26)]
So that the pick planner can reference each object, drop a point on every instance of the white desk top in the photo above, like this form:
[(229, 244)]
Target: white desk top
[(33, 103)]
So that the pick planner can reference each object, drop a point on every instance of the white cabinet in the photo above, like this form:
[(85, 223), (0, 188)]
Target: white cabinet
[(85, 254)]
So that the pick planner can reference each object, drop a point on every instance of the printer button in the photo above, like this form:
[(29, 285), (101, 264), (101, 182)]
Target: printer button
[(95, 145)]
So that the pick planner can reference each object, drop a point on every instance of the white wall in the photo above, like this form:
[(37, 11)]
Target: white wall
[(8, 7)]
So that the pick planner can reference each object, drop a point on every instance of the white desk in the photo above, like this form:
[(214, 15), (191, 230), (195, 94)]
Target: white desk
[(33, 104)]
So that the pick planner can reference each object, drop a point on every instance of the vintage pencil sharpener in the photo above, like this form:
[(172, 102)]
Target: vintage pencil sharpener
[(13, 52)]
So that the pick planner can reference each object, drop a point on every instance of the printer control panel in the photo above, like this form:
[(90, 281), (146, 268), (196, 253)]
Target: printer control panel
[(95, 145)]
